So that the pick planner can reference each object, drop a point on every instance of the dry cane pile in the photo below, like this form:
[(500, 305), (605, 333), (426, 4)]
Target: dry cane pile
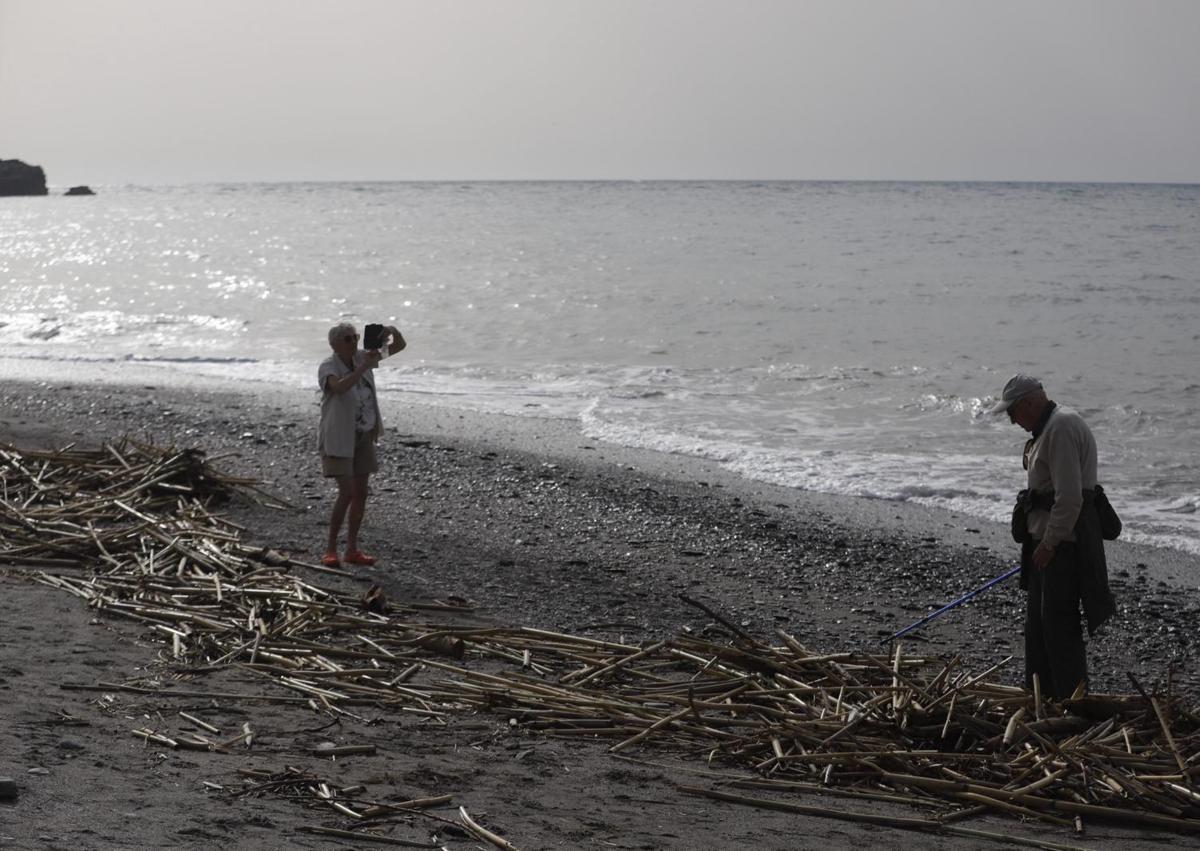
[(129, 529)]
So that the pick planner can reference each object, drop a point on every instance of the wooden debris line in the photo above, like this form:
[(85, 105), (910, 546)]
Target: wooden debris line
[(369, 816), (923, 825), (136, 525)]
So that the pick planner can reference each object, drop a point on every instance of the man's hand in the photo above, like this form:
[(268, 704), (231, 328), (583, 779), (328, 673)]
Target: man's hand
[(1042, 556), (371, 358)]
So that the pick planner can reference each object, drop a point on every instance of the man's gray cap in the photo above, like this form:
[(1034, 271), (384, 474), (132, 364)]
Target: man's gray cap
[(1019, 386)]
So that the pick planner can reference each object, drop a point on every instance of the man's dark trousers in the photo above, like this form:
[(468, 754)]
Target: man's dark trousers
[(1054, 647)]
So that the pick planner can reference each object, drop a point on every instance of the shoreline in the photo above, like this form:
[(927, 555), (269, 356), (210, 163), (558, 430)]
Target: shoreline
[(563, 438), (538, 526), (789, 534)]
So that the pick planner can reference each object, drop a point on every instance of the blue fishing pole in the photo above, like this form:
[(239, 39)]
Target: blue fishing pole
[(950, 606)]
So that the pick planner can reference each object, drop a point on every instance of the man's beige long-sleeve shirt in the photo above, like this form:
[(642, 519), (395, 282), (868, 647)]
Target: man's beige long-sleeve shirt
[(1061, 461)]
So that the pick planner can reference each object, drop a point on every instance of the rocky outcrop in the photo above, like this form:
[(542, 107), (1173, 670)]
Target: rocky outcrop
[(80, 190), (18, 178)]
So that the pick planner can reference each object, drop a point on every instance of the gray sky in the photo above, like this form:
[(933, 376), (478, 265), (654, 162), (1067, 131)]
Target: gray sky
[(152, 91)]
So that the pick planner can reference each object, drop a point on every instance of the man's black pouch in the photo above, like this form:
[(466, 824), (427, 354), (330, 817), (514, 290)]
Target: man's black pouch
[(1110, 523), (1020, 518)]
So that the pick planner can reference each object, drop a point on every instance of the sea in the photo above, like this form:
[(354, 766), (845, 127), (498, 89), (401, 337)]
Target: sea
[(841, 337)]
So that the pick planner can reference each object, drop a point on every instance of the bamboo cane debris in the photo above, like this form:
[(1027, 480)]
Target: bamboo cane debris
[(900, 725), (330, 749), (367, 816), (483, 833), (899, 822), (365, 836)]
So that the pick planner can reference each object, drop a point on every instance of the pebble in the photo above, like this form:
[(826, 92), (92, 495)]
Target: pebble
[(39, 771)]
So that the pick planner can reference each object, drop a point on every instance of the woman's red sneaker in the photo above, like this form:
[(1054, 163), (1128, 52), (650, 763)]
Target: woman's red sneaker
[(358, 557)]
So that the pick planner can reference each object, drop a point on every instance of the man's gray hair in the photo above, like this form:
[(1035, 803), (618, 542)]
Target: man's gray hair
[(341, 330)]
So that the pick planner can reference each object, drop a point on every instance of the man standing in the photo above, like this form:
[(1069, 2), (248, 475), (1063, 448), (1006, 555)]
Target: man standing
[(1062, 551)]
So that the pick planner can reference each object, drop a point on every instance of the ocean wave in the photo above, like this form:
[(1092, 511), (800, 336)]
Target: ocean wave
[(979, 486), (876, 475), (99, 329), (974, 406), (187, 359), (76, 357)]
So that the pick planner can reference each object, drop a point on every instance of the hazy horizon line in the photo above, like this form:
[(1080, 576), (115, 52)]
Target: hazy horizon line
[(751, 180)]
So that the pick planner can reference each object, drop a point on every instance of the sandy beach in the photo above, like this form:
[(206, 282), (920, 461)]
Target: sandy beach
[(535, 525)]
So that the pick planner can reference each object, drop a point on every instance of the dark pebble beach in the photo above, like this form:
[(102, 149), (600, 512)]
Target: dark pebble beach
[(534, 524)]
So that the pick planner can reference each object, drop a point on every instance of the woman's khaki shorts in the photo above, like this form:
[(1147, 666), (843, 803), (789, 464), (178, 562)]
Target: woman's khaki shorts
[(363, 463)]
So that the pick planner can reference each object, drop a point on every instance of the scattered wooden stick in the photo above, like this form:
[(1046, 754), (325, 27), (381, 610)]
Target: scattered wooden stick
[(364, 836), (483, 833)]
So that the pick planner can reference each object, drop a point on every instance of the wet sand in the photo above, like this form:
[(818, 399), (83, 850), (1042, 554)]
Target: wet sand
[(538, 526)]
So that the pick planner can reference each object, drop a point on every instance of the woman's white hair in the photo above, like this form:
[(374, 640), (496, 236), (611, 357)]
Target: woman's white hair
[(340, 330)]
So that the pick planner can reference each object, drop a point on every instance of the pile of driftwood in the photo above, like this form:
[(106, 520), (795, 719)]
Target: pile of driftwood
[(101, 508), (770, 716)]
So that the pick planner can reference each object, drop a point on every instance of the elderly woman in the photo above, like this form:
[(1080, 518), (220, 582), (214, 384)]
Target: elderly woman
[(350, 425)]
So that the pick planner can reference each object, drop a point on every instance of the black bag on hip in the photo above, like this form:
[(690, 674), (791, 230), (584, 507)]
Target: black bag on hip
[(1020, 518), (1110, 523)]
